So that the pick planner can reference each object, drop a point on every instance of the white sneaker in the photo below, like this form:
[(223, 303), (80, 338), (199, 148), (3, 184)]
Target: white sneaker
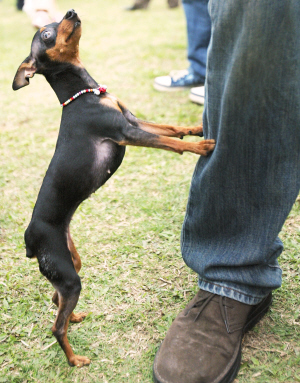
[(177, 80), (197, 95)]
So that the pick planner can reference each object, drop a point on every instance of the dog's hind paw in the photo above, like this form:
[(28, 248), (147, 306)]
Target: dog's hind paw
[(77, 318), (79, 361)]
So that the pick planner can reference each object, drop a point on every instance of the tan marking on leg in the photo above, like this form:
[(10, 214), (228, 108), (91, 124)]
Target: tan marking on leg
[(55, 298), (60, 329), (75, 256), (74, 318), (170, 130), (203, 147)]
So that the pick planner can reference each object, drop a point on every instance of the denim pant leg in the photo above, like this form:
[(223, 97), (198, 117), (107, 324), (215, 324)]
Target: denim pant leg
[(198, 33), (242, 193)]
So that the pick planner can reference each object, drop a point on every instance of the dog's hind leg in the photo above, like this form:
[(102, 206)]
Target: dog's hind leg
[(68, 296), (49, 244), (59, 269), (75, 256), (74, 318)]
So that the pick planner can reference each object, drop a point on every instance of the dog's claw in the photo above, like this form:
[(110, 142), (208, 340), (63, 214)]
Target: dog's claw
[(195, 131)]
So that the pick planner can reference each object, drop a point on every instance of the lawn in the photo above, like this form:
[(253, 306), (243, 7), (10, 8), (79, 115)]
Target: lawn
[(128, 233)]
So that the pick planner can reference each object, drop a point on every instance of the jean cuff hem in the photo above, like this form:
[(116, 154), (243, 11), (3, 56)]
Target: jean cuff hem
[(229, 292)]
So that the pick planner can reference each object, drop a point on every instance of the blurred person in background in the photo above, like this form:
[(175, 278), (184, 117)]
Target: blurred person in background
[(143, 4), (198, 36), (40, 12)]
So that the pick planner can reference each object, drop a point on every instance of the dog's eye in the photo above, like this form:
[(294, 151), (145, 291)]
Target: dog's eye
[(46, 35)]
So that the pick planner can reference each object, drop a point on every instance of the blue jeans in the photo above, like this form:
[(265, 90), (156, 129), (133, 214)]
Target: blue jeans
[(198, 33), (242, 193)]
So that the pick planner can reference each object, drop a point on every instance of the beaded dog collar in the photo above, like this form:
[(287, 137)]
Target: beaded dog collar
[(97, 91)]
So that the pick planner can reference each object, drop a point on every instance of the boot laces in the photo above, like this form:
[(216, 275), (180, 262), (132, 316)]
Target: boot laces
[(203, 302)]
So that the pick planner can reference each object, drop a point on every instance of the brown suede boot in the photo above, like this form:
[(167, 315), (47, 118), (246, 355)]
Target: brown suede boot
[(173, 3), (139, 4), (203, 344)]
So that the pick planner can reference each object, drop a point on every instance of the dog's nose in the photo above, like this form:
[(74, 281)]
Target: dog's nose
[(70, 14)]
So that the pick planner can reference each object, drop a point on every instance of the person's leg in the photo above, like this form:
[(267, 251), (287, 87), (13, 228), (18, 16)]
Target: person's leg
[(20, 4), (240, 195), (198, 36), (138, 4), (173, 3)]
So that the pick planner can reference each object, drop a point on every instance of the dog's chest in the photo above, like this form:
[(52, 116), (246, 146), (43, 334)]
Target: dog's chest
[(107, 158)]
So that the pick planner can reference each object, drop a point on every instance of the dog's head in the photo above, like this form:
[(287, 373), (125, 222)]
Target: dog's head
[(53, 47)]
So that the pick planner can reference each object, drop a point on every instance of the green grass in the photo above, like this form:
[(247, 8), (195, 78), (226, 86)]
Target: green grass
[(134, 279)]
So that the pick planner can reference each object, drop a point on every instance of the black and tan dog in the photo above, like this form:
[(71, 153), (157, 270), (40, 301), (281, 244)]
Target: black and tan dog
[(95, 128)]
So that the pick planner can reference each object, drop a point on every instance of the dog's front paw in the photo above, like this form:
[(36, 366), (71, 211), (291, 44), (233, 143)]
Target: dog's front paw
[(196, 131), (79, 361), (204, 147)]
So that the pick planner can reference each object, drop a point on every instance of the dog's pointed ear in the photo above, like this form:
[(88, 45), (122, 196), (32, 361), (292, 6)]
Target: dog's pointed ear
[(25, 71)]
